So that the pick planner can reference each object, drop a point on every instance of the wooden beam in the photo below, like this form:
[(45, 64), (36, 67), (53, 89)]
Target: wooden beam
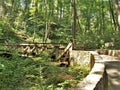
[(65, 50)]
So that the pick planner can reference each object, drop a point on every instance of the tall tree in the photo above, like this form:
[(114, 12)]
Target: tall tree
[(117, 9), (73, 3)]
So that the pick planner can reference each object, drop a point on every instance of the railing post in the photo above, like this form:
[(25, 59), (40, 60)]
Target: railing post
[(70, 54)]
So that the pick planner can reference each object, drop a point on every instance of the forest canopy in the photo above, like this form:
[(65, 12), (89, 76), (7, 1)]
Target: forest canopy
[(91, 23)]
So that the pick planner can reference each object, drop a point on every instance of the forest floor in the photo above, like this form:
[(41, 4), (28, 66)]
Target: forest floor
[(113, 70)]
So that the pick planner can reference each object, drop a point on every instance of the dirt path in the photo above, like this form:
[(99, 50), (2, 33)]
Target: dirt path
[(113, 70)]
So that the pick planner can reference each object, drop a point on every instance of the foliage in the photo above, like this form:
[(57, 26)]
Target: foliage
[(25, 73), (16, 73), (52, 21)]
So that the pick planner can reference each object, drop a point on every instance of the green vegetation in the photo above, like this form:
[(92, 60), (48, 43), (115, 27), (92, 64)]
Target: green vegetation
[(20, 73), (88, 23)]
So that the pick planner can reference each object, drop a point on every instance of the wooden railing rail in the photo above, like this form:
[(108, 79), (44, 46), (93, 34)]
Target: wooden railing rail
[(37, 45), (34, 43), (27, 47)]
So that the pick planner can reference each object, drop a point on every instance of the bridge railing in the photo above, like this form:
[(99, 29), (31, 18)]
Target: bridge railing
[(66, 53), (31, 47)]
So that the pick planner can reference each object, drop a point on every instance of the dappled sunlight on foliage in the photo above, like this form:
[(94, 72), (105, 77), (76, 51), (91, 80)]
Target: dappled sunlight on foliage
[(26, 73)]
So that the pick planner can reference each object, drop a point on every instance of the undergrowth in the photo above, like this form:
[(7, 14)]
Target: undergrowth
[(20, 73)]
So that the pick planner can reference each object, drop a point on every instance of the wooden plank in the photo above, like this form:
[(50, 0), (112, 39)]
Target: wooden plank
[(32, 44), (65, 50)]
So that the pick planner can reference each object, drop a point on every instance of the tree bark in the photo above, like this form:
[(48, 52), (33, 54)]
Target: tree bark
[(1, 11), (112, 15), (74, 18), (117, 7), (46, 21)]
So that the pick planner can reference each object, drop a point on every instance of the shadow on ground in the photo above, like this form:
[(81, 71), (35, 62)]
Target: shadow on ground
[(113, 70)]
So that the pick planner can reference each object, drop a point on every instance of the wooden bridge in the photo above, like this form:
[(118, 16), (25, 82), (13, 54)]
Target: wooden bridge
[(60, 50)]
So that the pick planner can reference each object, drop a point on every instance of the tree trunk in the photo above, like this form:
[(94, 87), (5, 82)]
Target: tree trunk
[(1, 11), (46, 21), (117, 10), (112, 15), (74, 19)]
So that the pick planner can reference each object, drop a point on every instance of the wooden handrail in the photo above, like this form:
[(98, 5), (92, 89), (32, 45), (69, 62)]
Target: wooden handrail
[(39, 45), (31, 44), (65, 50)]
